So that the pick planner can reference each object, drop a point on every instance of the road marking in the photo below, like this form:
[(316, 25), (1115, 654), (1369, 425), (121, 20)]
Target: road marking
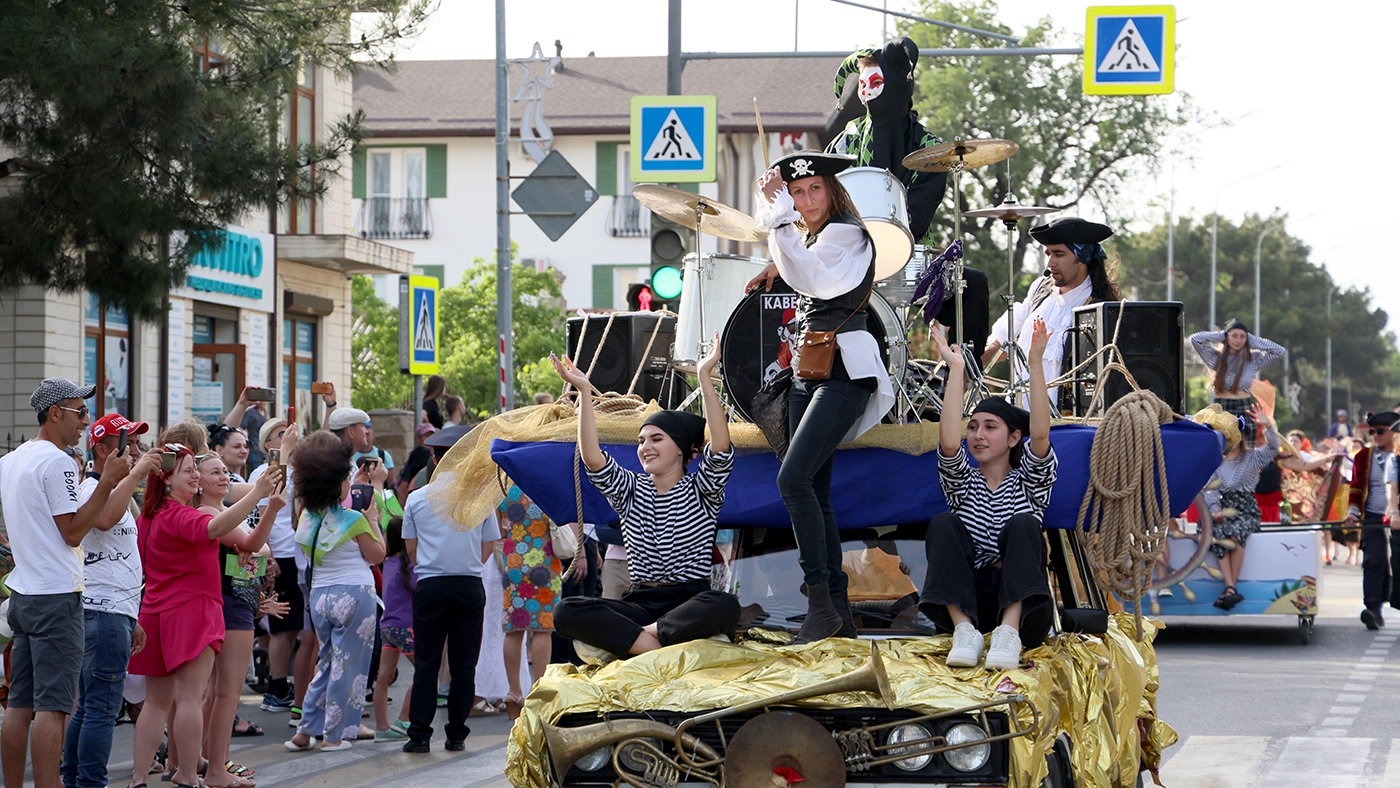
[(1377, 652), (1332, 732), (1373, 660), (1348, 711), (1309, 762), (1336, 722), (1351, 698), (1357, 687), (1215, 761)]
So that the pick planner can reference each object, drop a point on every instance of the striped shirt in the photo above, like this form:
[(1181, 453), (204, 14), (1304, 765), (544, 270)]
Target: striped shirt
[(669, 537), (983, 511)]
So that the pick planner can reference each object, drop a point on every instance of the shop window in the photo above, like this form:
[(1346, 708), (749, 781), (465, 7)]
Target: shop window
[(217, 366), (209, 57), (298, 216), (298, 359), (106, 358)]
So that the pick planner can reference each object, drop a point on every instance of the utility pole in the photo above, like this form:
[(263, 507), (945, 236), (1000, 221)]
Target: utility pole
[(674, 64), (1171, 237), (505, 340), (1328, 407)]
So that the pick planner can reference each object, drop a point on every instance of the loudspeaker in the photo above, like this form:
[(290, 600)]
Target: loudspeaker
[(1150, 338), (623, 352)]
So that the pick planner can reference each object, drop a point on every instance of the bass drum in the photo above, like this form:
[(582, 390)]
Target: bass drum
[(761, 335), (723, 277)]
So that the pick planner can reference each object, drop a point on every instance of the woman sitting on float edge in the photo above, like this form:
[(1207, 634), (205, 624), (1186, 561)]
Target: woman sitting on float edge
[(986, 557), (668, 528)]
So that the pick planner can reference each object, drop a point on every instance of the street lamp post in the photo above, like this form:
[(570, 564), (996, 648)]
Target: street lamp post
[(1258, 255), (1328, 407), (1215, 237)]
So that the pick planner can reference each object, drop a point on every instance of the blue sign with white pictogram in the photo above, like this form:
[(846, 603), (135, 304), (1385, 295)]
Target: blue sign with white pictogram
[(673, 139), (1129, 50)]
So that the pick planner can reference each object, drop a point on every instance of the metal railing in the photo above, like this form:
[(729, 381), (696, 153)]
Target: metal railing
[(626, 219), (394, 217)]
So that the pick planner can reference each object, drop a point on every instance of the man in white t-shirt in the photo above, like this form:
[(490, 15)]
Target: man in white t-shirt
[(47, 521), (111, 603)]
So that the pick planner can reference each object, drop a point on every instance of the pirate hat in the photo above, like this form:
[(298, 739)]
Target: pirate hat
[(809, 163), (1071, 230)]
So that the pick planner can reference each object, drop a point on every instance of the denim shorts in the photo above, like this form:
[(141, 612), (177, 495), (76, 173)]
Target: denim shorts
[(48, 650)]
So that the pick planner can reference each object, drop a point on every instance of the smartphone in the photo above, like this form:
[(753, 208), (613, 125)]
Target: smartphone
[(274, 457), (121, 441), (257, 394), (365, 462), (167, 461), (291, 414), (321, 387), (360, 496)]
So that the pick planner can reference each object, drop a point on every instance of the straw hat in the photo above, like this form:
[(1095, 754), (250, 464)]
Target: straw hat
[(1216, 418)]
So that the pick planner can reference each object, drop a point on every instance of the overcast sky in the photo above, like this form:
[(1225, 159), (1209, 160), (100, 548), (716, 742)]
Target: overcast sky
[(1304, 90)]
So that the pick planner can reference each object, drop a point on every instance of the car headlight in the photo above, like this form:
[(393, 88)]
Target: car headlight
[(595, 760), (909, 733), (969, 758)]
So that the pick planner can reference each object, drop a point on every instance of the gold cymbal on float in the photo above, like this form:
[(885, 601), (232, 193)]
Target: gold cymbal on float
[(969, 153), (681, 207), (1011, 210)]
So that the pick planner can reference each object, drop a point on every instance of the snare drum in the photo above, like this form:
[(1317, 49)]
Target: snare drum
[(882, 203), (723, 277), (758, 341)]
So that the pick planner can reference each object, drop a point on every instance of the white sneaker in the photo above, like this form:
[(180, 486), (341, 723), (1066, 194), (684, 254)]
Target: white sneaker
[(721, 638), (589, 653), (1166, 593), (967, 647), (1005, 653)]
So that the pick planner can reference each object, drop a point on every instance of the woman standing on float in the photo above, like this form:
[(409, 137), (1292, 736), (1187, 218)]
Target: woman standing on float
[(1236, 363), (820, 248)]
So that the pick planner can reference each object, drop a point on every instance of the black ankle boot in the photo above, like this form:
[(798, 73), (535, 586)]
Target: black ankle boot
[(843, 609), (822, 620)]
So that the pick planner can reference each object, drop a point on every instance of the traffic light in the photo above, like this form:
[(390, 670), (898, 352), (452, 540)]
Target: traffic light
[(639, 298), (670, 243)]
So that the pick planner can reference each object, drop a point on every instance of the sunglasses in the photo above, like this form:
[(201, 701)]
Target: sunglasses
[(82, 412)]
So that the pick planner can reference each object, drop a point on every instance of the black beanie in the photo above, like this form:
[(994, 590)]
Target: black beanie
[(1015, 418), (686, 429)]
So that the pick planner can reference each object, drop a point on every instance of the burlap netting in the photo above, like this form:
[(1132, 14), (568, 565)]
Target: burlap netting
[(465, 490)]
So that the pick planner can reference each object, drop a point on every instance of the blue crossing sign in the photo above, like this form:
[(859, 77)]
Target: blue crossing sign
[(1130, 50), (674, 139), (420, 325)]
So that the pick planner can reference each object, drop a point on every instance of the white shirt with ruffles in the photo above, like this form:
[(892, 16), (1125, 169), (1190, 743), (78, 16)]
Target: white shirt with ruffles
[(1057, 310), (833, 265)]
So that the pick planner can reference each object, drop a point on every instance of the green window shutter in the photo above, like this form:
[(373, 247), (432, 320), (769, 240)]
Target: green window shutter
[(358, 171), (602, 285), (693, 188), (607, 174), (437, 170)]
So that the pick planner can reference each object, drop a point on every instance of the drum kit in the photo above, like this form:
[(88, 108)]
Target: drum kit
[(759, 332)]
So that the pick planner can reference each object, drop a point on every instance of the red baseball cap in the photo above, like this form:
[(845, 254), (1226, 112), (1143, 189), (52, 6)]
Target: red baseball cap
[(111, 424)]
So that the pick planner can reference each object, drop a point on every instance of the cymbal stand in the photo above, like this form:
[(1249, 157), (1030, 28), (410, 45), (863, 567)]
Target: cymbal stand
[(976, 389), (1018, 381), (705, 343)]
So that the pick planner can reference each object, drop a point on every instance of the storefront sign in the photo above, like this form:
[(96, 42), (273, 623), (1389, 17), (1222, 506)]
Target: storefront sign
[(237, 273)]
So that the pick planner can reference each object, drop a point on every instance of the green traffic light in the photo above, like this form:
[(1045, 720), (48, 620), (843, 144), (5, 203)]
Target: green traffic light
[(666, 282)]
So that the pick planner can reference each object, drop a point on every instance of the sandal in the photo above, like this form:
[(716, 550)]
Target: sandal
[(1223, 601), (253, 728), (238, 769), (238, 782), (512, 706), (483, 708)]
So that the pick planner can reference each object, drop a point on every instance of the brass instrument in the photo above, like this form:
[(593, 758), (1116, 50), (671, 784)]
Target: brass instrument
[(869, 677), (863, 753), (567, 745)]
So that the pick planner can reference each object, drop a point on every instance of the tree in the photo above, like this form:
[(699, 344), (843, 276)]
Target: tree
[(129, 160), (468, 346), (1072, 145)]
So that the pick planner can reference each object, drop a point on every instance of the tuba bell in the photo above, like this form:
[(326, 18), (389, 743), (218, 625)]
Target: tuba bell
[(567, 745)]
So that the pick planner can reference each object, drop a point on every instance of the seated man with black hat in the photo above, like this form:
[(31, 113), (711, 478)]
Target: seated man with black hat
[(889, 131), (1076, 274), (986, 557), (668, 527)]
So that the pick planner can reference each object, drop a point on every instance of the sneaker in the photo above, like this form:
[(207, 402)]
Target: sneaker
[(416, 746), (967, 647), (400, 726), (721, 638), (271, 702), (344, 745), (590, 653), (1370, 619), (1005, 653), (455, 746), (1166, 593), (390, 735)]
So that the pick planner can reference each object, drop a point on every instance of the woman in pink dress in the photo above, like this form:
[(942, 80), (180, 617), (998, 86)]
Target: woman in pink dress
[(182, 609)]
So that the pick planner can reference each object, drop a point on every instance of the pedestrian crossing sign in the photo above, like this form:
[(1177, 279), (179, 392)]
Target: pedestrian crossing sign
[(1130, 50), (424, 325), (674, 139)]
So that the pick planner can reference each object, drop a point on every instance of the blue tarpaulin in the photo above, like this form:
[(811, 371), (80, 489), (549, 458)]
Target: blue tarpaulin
[(870, 487)]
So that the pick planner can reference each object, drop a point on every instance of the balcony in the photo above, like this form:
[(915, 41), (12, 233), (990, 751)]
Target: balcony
[(626, 218), (394, 218)]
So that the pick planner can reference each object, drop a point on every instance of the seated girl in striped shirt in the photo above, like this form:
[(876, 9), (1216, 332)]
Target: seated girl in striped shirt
[(986, 557), (668, 528)]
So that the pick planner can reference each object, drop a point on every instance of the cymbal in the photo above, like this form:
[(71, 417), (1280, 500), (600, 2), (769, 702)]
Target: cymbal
[(1011, 210), (678, 205), (970, 153), (775, 748)]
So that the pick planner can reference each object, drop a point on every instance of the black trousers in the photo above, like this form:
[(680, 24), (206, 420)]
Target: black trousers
[(681, 611), (1380, 563), (820, 413), (588, 581), (976, 308), (445, 610), (984, 593)]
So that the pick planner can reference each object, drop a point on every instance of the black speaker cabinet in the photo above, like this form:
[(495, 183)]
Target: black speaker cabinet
[(623, 351), (1151, 339)]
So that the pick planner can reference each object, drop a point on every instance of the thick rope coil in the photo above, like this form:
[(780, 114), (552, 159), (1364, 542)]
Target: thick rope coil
[(1126, 503)]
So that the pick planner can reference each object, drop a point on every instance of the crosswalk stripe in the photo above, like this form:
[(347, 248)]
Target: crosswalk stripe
[(1326, 759), (1308, 762), (1214, 761)]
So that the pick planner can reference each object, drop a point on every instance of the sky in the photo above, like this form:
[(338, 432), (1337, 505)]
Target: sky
[(1310, 104)]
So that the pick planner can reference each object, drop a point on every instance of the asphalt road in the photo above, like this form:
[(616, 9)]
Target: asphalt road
[(1254, 708)]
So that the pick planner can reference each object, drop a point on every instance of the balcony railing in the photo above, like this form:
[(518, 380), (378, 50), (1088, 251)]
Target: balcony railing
[(394, 218), (626, 219)]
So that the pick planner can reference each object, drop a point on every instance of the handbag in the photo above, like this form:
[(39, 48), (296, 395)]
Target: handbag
[(817, 351), (565, 540), (770, 411)]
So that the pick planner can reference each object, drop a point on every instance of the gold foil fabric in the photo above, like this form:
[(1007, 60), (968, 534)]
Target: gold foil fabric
[(1100, 691)]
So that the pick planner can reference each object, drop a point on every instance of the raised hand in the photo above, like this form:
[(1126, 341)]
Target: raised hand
[(570, 373), (770, 184), (765, 278), (952, 358), (270, 480), (1040, 338), (708, 363)]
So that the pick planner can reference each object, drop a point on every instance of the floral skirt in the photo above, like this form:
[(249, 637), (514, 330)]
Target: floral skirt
[(530, 582), (1238, 527)]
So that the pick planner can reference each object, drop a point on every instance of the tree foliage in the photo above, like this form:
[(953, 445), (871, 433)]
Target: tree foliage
[(1294, 292), (1072, 145), (468, 346), (120, 142)]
